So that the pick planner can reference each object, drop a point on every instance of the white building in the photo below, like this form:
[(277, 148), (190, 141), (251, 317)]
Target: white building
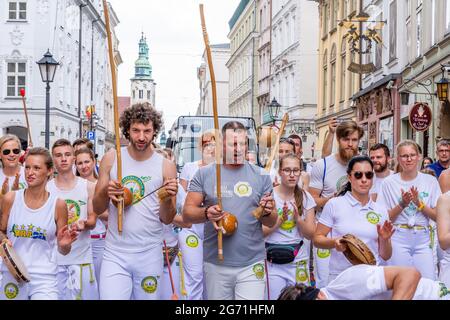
[(220, 55), (293, 79), (243, 63), (31, 27), (142, 84), (264, 56)]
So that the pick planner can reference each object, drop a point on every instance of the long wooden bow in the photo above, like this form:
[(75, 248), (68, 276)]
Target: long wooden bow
[(112, 64), (216, 127), (22, 94)]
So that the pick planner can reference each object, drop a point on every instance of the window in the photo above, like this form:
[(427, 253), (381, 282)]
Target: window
[(148, 94), (350, 77), (325, 82), (293, 28), (433, 22), (333, 74), (419, 29), (17, 10), (288, 33), (335, 13), (15, 78), (343, 69), (141, 94), (447, 15), (408, 31), (379, 47), (392, 30), (325, 15), (344, 9)]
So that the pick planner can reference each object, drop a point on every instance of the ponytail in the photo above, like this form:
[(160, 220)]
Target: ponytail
[(346, 188), (298, 196)]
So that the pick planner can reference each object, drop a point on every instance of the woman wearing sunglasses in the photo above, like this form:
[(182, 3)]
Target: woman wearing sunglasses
[(288, 259), (191, 239), (354, 212), (411, 198), (12, 175)]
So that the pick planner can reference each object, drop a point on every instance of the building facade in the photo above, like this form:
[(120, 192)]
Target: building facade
[(220, 55), (293, 80), (142, 84), (243, 62), (31, 27), (336, 85)]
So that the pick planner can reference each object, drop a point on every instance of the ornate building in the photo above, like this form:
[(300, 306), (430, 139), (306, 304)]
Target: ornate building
[(142, 84)]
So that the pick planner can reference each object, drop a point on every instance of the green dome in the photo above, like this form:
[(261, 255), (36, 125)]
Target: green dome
[(142, 66)]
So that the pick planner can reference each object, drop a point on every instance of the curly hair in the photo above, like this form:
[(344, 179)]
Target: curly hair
[(140, 113)]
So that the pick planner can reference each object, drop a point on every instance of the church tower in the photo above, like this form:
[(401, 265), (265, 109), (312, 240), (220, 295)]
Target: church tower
[(142, 84)]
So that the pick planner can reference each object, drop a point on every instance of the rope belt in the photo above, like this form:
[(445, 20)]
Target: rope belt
[(405, 226)]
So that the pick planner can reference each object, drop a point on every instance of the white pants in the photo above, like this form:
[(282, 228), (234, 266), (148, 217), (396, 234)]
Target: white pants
[(41, 287), (235, 283), (321, 266), (191, 245), (411, 247), (444, 274), (98, 246), (282, 275), (126, 276), (77, 282)]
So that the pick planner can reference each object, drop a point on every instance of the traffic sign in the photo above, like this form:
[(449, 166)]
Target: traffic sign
[(90, 135)]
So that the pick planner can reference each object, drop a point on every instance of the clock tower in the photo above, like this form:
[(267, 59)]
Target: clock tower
[(142, 84)]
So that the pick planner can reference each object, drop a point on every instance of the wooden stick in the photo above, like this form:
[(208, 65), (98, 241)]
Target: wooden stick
[(174, 294), (22, 93), (216, 127), (277, 143), (116, 114)]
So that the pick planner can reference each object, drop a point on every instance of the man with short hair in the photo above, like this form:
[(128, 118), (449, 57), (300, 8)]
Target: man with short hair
[(132, 264), (380, 156), (244, 187), (76, 276), (328, 177), (299, 150), (82, 143), (443, 157)]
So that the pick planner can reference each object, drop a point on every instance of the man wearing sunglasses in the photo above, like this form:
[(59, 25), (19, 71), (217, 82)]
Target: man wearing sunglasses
[(12, 175)]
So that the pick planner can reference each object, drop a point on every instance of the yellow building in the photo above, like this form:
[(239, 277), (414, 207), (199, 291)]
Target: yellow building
[(336, 85)]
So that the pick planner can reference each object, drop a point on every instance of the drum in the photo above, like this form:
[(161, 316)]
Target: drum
[(13, 263), (357, 251)]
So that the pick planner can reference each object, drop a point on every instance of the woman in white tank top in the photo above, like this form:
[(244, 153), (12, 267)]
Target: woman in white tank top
[(85, 166), (34, 223), (11, 172)]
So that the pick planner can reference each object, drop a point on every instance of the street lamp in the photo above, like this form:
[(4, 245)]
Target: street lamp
[(47, 67), (442, 87), (274, 109)]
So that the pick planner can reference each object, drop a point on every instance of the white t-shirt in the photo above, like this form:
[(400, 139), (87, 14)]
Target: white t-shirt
[(365, 282), (376, 186), (22, 181), (390, 195), (288, 232), (335, 176), (187, 173), (345, 215)]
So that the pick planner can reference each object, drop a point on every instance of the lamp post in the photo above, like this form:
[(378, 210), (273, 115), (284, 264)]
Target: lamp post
[(442, 86), (47, 68), (274, 109)]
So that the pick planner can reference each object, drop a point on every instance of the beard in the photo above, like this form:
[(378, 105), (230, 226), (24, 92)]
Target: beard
[(136, 147), (380, 167), (346, 154)]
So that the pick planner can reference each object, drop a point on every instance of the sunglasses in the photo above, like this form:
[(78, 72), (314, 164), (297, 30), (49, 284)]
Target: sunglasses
[(358, 175), (8, 151)]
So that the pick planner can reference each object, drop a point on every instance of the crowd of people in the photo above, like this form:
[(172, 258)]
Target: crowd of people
[(59, 212)]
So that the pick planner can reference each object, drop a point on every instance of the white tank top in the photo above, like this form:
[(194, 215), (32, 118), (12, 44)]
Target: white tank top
[(99, 227), (76, 200), (33, 235), (142, 229), (446, 255)]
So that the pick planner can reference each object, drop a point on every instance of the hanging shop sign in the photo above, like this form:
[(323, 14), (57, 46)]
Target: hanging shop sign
[(420, 116)]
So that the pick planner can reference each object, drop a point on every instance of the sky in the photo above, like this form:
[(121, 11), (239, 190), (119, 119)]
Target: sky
[(175, 39)]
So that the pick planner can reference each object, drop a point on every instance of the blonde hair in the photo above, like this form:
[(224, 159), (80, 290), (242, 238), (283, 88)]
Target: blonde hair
[(9, 137), (407, 143), (208, 135)]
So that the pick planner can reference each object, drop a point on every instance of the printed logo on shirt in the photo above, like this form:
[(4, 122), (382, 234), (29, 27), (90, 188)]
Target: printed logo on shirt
[(136, 186), (258, 270), (373, 217), (22, 185), (411, 209), (11, 290), (301, 274), (341, 183), (443, 291), (30, 231), (323, 253), (192, 241), (242, 189), (289, 224), (74, 210), (149, 284)]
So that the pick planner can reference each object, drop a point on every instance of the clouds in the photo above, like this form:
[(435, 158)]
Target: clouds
[(174, 35)]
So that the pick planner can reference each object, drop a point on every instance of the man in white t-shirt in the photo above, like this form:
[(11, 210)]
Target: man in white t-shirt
[(366, 282), (328, 176), (380, 156)]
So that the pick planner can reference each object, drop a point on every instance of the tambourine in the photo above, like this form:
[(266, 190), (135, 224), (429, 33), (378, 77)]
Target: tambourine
[(357, 251), (230, 224), (14, 263)]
